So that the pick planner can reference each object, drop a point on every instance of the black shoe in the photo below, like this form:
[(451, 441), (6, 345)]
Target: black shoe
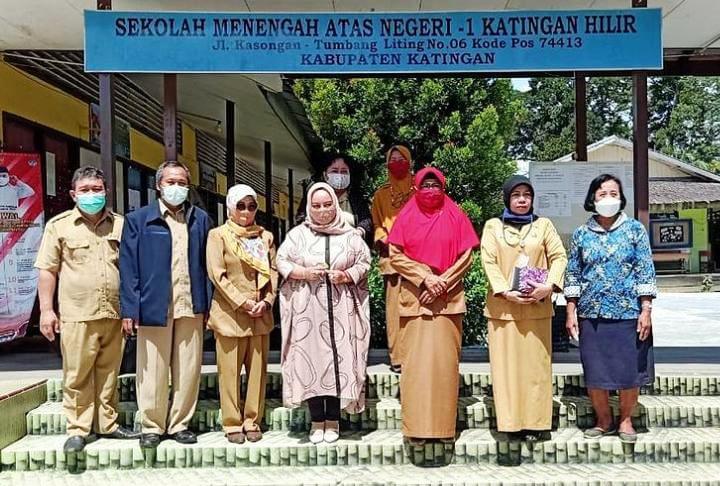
[(122, 433), (184, 437), (149, 441), (76, 443)]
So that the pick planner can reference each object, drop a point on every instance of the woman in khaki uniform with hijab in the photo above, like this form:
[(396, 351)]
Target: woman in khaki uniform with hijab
[(431, 246), (519, 322), (241, 266)]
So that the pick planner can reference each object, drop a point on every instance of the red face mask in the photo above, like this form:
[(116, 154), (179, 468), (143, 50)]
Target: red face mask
[(430, 199), (399, 168)]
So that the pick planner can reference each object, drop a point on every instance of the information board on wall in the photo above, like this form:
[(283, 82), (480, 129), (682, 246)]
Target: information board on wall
[(561, 187), (21, 229), (387, 42)]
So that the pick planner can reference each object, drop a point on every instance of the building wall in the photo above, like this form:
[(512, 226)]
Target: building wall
[(615, 153), (29, 98)]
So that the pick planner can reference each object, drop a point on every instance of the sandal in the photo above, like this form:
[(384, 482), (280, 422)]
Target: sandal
[(236, 437), (253, 435), (597, 432), (628, 437)]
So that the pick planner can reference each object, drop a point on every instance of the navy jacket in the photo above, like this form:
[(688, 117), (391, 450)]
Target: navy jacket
[(145, 264)]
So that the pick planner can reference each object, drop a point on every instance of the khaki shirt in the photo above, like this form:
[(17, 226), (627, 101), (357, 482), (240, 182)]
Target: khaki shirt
[(180, 293), (236, 282), (85, 257), (412, 276), (500, 249)]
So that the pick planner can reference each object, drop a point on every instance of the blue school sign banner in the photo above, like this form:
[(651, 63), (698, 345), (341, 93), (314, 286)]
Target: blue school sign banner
[(360, 43)]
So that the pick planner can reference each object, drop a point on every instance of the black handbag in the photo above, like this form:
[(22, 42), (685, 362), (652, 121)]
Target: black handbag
[(129, 359)]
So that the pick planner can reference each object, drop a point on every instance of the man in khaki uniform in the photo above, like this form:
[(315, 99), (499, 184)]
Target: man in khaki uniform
[(80, 249), (165, 297)]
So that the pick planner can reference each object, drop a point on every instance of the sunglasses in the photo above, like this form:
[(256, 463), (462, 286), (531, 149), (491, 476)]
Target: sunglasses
[(250, 207)]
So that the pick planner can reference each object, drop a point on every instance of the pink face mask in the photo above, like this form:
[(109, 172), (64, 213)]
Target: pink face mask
[(430, 199)]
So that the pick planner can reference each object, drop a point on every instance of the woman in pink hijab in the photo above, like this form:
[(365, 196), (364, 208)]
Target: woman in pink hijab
[(431, 247)]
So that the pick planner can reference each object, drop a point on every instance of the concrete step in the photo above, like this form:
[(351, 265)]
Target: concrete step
[(387, 385), (385, 414), (407, 475), (477, 446)]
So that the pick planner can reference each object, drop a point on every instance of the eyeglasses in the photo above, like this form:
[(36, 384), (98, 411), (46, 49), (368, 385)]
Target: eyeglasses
[(431, 185), (250, 207)]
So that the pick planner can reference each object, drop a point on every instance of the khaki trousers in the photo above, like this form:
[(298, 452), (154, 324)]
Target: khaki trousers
[(392, 319), (232, 354), (521, 367), (92, 351), (174, 349)]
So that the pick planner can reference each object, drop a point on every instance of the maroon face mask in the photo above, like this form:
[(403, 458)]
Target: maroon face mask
[(399, 168), (430, 199)]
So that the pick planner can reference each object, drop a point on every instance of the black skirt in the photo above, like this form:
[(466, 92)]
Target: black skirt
[(612, 355)]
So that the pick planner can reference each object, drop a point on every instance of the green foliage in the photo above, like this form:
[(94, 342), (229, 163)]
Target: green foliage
[(683, 117), (548, 130), (463, 126)]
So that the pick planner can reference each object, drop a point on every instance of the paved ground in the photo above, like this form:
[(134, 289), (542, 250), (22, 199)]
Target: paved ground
[(687, 319), (686, 326)]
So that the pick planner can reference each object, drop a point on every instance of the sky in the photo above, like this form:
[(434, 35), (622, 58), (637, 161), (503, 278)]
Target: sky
[(521, 84)]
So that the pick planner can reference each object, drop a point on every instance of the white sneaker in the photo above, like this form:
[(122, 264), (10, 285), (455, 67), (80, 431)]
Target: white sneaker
[(317, 432), (332, 432)]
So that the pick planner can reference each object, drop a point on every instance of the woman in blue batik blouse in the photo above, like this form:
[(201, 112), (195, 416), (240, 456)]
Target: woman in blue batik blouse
[(610, 284)]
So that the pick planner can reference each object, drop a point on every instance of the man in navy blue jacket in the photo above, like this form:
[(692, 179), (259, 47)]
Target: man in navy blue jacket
[(165, 296)]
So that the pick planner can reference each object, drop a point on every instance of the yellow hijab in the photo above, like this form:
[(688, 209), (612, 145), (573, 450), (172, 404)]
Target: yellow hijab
[(245, 241)]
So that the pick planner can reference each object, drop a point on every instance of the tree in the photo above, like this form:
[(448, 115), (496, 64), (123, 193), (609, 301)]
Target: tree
[(548, 132), (686, 119), (461, 125), (464, 126)]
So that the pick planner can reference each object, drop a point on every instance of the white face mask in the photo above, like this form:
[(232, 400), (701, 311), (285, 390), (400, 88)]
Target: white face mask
[(608, 207), (174, 195), (338, 181)]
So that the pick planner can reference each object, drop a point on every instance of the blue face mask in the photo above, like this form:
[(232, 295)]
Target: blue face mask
[(91, 203)]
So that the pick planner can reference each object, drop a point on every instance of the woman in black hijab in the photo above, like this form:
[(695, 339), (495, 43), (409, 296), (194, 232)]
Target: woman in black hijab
[(524, 262)]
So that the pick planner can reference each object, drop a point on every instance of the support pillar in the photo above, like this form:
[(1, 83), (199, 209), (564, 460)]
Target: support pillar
[(641, 172), (268, 189), (230, 143), (291, 197), (107, 127), (580, 117), (170, 116)]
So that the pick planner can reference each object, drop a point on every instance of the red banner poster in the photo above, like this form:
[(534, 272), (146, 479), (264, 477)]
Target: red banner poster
[(21, 228)]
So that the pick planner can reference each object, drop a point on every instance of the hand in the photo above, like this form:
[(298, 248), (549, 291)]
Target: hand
[(130, 326), (644, 327), (518, 297), (571, 326), (259, 309), (13, 180), (540, 290), (49, 324), (314, 274), (360, 232), (339, 277), (426, 298), (435, 285), (249, 305)]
